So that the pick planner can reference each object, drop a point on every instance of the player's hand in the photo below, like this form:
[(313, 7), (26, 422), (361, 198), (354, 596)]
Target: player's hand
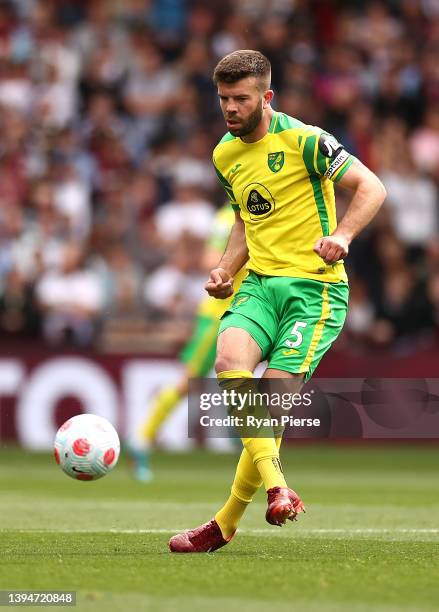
[(220, 284), (332, 248)]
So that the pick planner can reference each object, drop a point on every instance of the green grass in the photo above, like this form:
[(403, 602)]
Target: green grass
[(369, 540)]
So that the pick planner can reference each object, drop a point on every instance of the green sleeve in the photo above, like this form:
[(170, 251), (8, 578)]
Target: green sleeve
[(227, 187), (323, 155)]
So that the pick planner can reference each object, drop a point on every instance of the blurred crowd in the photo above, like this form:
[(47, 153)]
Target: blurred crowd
[(108, 117)]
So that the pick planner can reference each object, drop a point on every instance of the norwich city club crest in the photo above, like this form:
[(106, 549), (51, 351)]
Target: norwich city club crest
[(276, 161)]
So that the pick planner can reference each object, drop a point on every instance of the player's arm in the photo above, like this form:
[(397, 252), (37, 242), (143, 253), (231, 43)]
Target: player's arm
[(210, 259), (220, 283), (369, 194), (217, 241)]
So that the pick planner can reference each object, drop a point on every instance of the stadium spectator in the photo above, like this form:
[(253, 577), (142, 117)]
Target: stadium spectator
[(19, 316), (424, 143), (149, 92), (175, 289), (71, 300), (176, 217), (123, 280), (412, 199), (403, 306)]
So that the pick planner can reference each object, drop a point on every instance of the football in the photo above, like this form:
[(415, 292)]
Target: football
[(86, 447)]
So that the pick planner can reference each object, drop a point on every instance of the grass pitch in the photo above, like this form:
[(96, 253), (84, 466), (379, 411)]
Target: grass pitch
[(369, 540)]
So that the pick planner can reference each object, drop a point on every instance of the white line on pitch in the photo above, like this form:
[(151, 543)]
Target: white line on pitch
[(298, 531)]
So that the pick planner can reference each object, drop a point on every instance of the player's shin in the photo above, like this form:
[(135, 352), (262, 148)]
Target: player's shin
[(263, 452), (245, 484)]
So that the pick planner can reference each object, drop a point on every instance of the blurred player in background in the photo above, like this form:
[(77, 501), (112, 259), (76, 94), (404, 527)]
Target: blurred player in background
[(198, 355), (278, 174)]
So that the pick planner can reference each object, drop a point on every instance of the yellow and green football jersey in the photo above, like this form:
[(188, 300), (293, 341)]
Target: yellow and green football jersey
[(283, 187)]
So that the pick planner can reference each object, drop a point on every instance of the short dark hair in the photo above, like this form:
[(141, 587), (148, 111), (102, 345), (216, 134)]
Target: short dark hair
[(241, 64)]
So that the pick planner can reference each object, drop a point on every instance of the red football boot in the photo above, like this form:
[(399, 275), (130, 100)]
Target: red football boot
[(283, 504), (206, 538)]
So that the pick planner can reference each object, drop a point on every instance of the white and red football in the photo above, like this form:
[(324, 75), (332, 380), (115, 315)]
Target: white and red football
[(86, 447)]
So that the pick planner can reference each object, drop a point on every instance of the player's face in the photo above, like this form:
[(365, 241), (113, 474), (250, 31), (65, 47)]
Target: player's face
[(242, 104)]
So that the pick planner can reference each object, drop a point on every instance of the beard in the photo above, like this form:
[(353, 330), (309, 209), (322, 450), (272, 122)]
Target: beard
[(250, 124)]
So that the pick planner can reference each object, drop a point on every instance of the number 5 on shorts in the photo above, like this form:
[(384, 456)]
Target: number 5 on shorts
[(297, 334)]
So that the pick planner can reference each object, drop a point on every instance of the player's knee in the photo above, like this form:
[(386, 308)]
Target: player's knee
[(221, 364), (225, 363)]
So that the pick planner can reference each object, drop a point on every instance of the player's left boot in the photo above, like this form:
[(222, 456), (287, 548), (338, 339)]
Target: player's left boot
[(206, 538), (283, 504)]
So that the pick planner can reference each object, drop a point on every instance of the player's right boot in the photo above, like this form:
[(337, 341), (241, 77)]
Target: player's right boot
[(283, 504), (205, 538)]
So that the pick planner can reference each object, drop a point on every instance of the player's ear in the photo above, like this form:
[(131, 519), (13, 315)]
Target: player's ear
[(268, 96)]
